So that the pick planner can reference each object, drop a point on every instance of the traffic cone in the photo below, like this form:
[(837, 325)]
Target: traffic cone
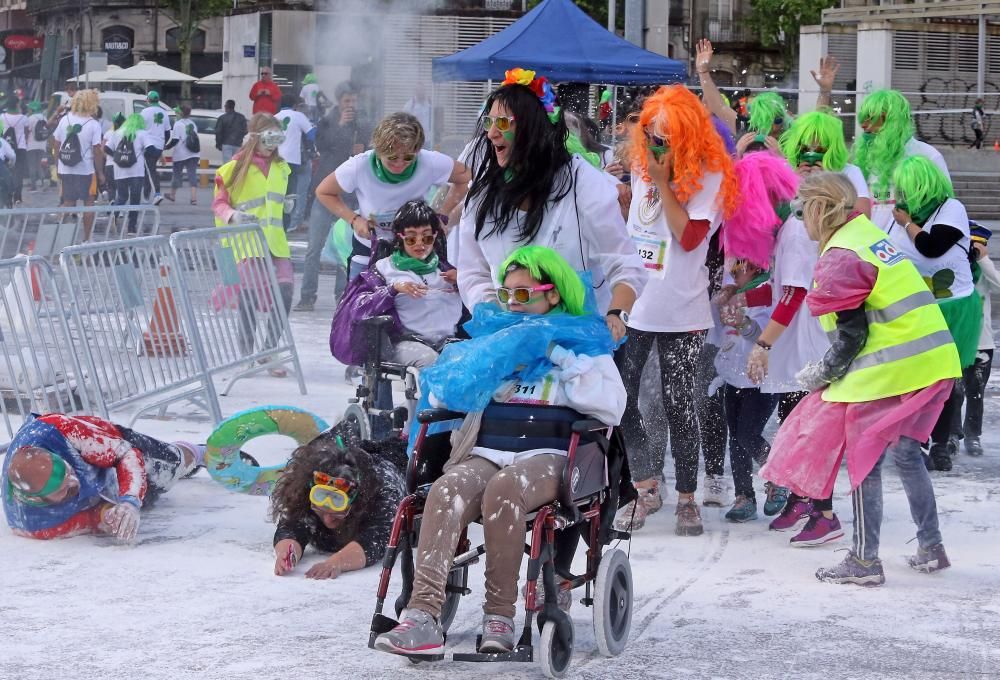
[(996, 145), (36, 288), (164, 338)]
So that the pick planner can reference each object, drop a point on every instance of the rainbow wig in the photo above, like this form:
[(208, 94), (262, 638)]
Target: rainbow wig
[(765, 111), (765, 180), (816, 130), (545, 264), (878, 153), (727, 135), (921, 187), (132, 125), (675, 114)]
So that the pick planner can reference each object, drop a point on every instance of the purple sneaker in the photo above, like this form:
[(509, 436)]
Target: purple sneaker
[(817, 531), (854, 571), (793, 517)]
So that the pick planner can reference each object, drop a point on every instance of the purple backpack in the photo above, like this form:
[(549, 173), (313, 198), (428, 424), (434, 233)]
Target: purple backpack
[(365, 297)]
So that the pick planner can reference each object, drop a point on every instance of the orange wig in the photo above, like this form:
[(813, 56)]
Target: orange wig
[(676, 115)]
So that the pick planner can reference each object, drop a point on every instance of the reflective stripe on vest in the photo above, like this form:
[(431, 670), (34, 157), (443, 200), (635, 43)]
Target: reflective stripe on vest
[(909, 346), (263, 197)]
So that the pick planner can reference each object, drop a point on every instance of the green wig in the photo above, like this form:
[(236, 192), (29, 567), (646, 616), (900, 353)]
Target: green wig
[(546, 265), (765, 110), (877, 154), (309, 79), (575, 146), (816, 130), (132, 125), (921, 187)]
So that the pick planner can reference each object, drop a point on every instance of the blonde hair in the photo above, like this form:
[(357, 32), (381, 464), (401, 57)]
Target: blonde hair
[(251, 145), (84, 103), (400, 129), (827, 200)]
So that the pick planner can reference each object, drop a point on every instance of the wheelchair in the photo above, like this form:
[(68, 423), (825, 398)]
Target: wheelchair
[(369, 414), (595, 483)]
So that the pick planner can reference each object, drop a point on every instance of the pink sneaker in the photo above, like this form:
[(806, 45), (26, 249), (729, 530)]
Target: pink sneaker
[(793, 517), (817, 531)]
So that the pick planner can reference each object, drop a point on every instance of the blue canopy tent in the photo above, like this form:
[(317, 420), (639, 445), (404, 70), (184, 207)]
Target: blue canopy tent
[(559, 41)]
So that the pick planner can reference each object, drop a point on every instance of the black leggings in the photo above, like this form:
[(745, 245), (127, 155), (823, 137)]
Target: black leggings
[(747, 411), (678, 354), (162, 462), (975, 378), (712, 421)]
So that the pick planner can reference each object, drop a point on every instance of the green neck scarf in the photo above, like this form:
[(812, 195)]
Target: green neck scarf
[(390, 178), (754, 282), (405, 263)]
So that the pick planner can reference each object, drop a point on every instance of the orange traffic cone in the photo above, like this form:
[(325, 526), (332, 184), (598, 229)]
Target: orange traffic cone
[(164, 338), (36, 288), (996, 145)]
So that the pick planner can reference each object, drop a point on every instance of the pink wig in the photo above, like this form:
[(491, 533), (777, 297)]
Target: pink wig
[(766, 180)]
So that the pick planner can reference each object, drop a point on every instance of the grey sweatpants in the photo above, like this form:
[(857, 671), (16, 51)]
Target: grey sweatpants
[(504, 497)]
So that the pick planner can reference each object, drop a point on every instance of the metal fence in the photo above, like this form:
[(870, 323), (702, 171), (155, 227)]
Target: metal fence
[(40, 369), (46, 231), (238, 314), (138, 338)]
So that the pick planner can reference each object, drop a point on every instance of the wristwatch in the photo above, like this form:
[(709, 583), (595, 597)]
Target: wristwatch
[(620, 313)]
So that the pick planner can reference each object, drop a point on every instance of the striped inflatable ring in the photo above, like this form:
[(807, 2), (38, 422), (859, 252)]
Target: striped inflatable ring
[(222, 459)]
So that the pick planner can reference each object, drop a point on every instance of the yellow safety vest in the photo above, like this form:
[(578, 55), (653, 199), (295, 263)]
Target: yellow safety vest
[(264, 198), (909, 346)]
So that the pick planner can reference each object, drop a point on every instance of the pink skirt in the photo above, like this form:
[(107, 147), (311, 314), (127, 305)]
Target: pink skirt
[(818, 434), (253, 279)]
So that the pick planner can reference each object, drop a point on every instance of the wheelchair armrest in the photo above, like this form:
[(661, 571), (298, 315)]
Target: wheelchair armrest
[(377, 321), (588, 425), (437, 415)]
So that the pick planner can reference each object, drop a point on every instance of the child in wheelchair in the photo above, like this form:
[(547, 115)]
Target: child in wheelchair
[(503, 486)]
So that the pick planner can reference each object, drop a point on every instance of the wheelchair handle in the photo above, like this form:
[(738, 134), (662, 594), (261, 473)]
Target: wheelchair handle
[(588, 425), (437, 415)]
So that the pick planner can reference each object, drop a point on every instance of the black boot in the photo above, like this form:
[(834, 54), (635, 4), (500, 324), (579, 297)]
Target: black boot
[(941, 458)]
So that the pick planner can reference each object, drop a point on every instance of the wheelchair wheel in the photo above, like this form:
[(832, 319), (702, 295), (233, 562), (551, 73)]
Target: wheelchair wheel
[(456, 579), (554, 654), (613, 603), (357, 423)]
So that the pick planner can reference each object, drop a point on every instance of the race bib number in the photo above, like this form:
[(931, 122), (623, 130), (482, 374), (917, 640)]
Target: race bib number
[(652, 252), (383, 225), (540, 392)]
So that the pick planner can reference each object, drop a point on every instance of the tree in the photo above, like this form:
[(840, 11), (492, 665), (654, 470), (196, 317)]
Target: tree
[(188, 15), (597, 9), (777, 22)]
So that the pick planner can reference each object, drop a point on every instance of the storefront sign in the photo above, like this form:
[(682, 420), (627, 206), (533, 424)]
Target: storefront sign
[(23, 42)]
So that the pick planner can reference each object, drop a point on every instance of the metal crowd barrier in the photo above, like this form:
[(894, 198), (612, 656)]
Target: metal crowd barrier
[(40, 371), (138, 335), (44, 232), (239, 319)]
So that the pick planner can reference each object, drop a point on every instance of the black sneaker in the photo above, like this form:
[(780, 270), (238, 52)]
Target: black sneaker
[(973, 446), (940, 456), (930, 560)]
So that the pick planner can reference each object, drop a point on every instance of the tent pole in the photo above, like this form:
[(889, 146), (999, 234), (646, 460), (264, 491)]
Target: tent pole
[(614, 115)]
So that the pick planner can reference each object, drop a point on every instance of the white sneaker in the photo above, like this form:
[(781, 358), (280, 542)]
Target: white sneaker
[(716, 492)]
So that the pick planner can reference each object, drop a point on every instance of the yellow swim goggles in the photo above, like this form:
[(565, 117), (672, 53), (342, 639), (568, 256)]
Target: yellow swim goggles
[(334, 494)]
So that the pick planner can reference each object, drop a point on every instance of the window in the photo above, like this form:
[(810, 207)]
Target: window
[(197, 40)]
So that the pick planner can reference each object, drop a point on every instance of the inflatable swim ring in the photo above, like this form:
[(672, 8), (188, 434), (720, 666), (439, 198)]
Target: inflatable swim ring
[(222, 459)]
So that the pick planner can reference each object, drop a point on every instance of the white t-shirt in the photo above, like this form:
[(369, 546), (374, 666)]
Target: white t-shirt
[(380, 200), (795, 257), (295, 125), (20, 124), (7, 154), (956, 260), (310, 94), (585, 227), (34, 144), (180, 150), (678, 300), (857, 179), (433, 317), (157, 124), (90, 136), (105, 140), (882, 209), (139, 144)]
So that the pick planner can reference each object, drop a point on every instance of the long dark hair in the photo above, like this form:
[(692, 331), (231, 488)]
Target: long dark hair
[(537, 158), (290, 498)]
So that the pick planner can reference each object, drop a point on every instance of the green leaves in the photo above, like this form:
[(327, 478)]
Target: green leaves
[(777, 22)]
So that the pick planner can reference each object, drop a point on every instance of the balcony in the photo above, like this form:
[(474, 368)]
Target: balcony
[(35, 7), (722, 32)]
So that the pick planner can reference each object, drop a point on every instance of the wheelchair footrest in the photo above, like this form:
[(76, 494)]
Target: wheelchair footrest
[(380, 624), (521, 653)]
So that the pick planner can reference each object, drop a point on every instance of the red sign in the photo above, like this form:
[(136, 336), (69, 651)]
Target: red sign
[(23, 42)]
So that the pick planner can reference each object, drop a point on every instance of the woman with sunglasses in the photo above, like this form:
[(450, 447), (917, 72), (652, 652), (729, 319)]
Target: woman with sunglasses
[(683, 185), (548, 326), (879, 389), (792, 338), (529, 190), (396, 170), (339, 499)]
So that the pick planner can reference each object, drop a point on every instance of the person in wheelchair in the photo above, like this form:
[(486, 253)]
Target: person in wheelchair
[(339, 499), (502, 486), (422, 286)]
